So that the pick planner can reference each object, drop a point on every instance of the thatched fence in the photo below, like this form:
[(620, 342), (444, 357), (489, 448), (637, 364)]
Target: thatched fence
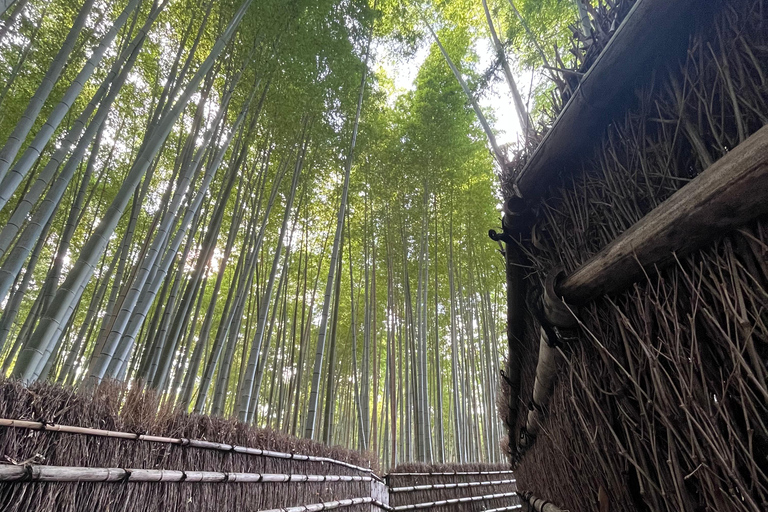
[(452, 488), (655, 397), (120, 450)]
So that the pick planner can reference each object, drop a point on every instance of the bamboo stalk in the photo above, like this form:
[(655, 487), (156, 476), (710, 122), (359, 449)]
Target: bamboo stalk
[(193, 443), (454, 501), (458, 485), (40, 473)]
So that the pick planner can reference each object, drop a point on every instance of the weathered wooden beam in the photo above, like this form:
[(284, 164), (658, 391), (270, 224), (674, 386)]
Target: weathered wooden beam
[(730, 193), (650, 33)]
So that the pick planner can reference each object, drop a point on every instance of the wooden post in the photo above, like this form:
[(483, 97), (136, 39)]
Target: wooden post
[(513, 224), (380, 495)]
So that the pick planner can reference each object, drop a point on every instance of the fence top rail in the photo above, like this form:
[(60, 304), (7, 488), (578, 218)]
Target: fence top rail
[(44, 473), (454, 485), (454, 501), (505, 509), (179, 441), (330, 505), (455, 473)]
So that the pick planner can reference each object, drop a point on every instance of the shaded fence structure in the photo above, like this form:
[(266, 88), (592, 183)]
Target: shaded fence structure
[(119, 449), (637, 268), (449, 487)]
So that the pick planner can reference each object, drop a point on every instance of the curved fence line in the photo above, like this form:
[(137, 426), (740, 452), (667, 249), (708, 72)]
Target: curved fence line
[(330, 505), (179, 441), (454, 501), (455, 473), (42, 473), (456, 485)]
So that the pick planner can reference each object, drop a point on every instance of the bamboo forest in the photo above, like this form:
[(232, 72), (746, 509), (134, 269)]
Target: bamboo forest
[(232, 204)]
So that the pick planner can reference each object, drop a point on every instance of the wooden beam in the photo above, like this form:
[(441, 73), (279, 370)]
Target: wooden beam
[(654, 31), (730, 193)]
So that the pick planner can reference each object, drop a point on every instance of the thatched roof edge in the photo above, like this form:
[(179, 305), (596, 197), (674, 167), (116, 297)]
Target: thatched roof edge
[(649, 36)]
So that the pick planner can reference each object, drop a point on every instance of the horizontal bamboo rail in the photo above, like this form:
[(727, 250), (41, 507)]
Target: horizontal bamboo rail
[(455, 473), (454, 501), (330, 505), (538, 504), (41, 473), (455, 485), (180, 441), (730, 193), (505, 509), (661, 28)]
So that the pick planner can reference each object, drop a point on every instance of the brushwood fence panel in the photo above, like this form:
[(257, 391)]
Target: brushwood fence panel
[(470, 488), (119, 450)]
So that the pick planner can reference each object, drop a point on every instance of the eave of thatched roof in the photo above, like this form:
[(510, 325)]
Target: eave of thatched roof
[(649, 36)]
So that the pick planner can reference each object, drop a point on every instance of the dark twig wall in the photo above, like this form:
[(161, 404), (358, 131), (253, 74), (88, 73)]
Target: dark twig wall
[(661, 400)]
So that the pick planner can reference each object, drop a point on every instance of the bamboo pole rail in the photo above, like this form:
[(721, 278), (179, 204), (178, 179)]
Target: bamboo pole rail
[(505, 509), (455, 473), (330, 505), (193, 443), (730, 193), (42, 473), (454, 501), (456, 485)]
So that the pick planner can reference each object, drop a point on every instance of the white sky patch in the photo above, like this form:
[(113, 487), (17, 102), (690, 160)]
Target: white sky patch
[(496, 98)]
